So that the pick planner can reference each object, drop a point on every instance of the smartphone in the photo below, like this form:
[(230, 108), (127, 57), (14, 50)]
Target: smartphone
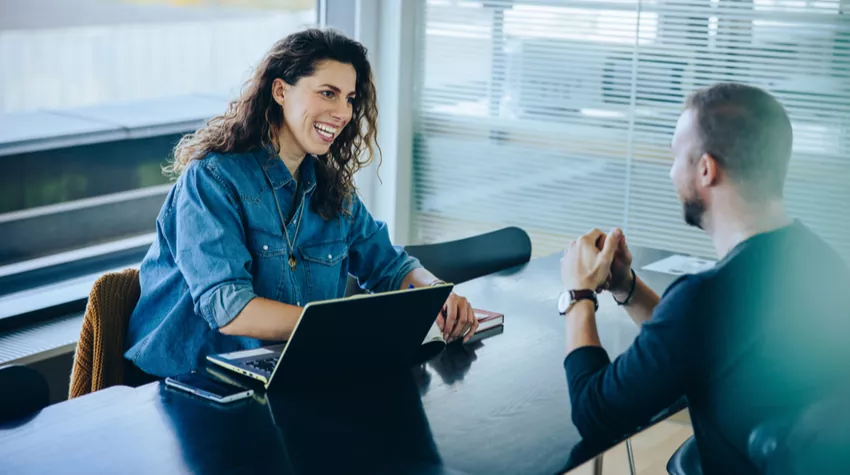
[(207, 388)]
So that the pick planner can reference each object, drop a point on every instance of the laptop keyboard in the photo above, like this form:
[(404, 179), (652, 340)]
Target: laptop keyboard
[(266, 364)]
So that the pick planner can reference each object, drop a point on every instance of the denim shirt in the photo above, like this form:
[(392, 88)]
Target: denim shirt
[(220, 243)]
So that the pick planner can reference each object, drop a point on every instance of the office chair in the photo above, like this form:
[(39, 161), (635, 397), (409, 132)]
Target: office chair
[(476, 256), (813, 441), (99, 359), (23, 392), (469, 258), (685, 461)]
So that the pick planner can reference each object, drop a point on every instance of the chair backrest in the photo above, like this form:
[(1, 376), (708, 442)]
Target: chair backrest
[(23, 391), (99, 359), (686, 460), (476, 256), (816, 440)]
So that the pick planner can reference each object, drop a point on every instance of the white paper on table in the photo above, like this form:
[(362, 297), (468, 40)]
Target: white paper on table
[(679, 265)]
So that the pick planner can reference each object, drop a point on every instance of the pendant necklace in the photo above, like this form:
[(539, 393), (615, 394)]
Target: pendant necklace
[(290, 242)]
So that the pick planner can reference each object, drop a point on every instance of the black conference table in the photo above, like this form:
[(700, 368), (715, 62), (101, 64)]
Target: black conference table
[(499, 406)]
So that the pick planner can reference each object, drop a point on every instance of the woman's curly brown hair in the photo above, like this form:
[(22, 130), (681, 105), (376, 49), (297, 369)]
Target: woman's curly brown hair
[(253, 121)]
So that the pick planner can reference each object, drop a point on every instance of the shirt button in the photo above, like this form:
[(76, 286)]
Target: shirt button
[(265, 248), (298, 303), (330, 256)]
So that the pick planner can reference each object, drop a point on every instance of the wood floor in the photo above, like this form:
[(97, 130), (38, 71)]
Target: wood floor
[(652, 448)]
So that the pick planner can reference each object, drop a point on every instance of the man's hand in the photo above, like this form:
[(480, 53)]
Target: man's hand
[(586, 264), (457, 319), (621, 268)]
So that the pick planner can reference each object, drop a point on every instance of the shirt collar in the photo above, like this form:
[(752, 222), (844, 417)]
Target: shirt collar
[(279, 174)]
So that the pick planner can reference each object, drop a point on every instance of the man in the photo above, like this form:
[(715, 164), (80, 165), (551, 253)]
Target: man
[(761, 334)]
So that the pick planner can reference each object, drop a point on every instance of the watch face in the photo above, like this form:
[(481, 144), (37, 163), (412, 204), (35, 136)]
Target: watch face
[(563, 302)]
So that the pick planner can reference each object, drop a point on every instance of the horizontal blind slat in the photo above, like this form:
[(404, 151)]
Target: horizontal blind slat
[(556, 116)]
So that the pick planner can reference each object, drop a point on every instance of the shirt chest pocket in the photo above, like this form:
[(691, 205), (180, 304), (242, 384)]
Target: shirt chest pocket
[(325, 264), (270, 254)]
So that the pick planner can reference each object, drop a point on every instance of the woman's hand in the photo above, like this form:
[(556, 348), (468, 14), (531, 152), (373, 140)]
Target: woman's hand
[(457, 319)]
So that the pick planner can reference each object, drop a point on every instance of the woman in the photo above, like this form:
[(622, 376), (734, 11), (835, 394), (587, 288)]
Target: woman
[(264, 216)]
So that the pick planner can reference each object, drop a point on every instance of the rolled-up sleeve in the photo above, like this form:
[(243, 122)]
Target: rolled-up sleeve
[(210, 248), (378, 265)]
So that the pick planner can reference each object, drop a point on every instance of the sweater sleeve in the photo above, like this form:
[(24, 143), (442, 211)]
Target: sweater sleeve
[(612, 400)]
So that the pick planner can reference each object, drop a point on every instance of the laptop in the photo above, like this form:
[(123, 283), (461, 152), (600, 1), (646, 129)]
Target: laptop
[(334, 338)]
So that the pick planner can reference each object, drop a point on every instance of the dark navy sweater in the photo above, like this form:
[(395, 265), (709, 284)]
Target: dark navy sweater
[(760, 335)]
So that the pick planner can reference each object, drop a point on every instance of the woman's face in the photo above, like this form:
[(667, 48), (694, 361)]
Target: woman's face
[(316, 108)]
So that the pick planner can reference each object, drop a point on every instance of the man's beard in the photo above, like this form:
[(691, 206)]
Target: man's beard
[(694, 210)]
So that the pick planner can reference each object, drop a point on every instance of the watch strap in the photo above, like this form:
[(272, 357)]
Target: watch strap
[(582, 294)]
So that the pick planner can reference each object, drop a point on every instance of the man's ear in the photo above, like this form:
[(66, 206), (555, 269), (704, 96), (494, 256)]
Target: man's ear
[(708, 170), (278, 91)]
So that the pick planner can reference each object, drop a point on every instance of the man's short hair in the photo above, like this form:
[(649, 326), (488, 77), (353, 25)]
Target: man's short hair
[(748, 132)]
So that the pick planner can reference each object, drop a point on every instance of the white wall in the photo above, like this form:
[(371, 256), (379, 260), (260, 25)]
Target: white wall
[(386, 28)]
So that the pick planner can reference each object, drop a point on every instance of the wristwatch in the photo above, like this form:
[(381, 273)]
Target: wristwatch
[(570, 297)]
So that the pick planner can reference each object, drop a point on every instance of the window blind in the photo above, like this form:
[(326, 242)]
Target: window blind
[(556, 116)]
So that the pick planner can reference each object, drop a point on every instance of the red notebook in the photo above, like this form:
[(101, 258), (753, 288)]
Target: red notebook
[(488, 320), (434, 341)]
